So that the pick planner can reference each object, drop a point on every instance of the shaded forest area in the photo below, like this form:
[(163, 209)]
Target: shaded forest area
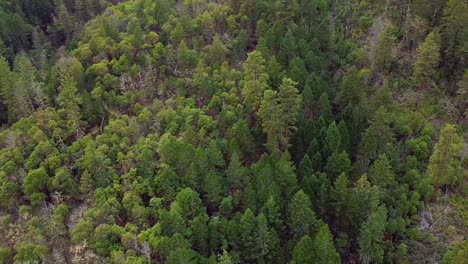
[(233, 131)]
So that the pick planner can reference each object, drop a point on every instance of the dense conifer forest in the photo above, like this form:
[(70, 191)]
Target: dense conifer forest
[(233, 131)]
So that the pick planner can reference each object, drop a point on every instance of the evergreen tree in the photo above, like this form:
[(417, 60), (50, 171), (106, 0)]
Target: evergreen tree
[(455, 35), (225, 258), (301, 216), (278, 112), (333, 138), (272, 121), (255, 78), (7, 86), (338, 163), (444, 164), (344, 135), (377, 135), (323, 249), (304, 251), (273, 215), (428, 60), (275, 73), (262, 239), (371, 237), (70, 101), (213, 187), (216, 52), (247, 228), (383, 53), (235, 173), (381, 173)]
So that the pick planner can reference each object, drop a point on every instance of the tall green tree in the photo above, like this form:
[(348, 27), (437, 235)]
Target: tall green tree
[(70, 101), (371, 237), (428, 60), (445, 162), (304, 251), (455, 36), (381, 173), (278, 112), (255, 80), (235, 173), (384, 51), (300, 215), (323, 248)]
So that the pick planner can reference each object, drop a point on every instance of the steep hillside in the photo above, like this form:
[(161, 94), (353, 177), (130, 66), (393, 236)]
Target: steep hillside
[(241, 131)]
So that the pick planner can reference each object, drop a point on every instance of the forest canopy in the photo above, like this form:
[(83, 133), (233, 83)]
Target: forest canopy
[(233, 131)]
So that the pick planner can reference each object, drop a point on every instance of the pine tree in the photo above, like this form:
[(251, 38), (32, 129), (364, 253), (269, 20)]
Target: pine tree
[(284, 173), (325, 107), (371, 237), (247, 228), (333, 138), (70, 101), (28, 93), (285, 11), (304, 251), (216, 52), (306, 168), (289, 101), (427, 60), (7, 87), (63, 26), (381, 173), (235, 173), (82, 10), (444, 164), (213, 187), (323, 248), (250, 197), (272, 120), (187, 58), (340, 195), (36, 185), (275, 73), (298, 71), (86, 183), (377, 135), (262, 239), (383, 53), (255, 80), (344, 135), (190, 203), (225, 258), (338, 163), (273, 215), (455, 36), (461, 101), (301, 216)]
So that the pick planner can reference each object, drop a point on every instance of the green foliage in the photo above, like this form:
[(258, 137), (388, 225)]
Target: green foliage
[(304, 251), (371, 237), (324, 251), (231, 131), (255, 80), (301, 216), (428, 59), (444, 165), (278, 112), (35, 184)]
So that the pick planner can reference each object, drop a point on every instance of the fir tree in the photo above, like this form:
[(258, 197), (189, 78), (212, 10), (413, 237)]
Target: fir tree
[(323, 249), (256, 78), (301, 216), (304, 251), (428, 60), (371, 237)]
